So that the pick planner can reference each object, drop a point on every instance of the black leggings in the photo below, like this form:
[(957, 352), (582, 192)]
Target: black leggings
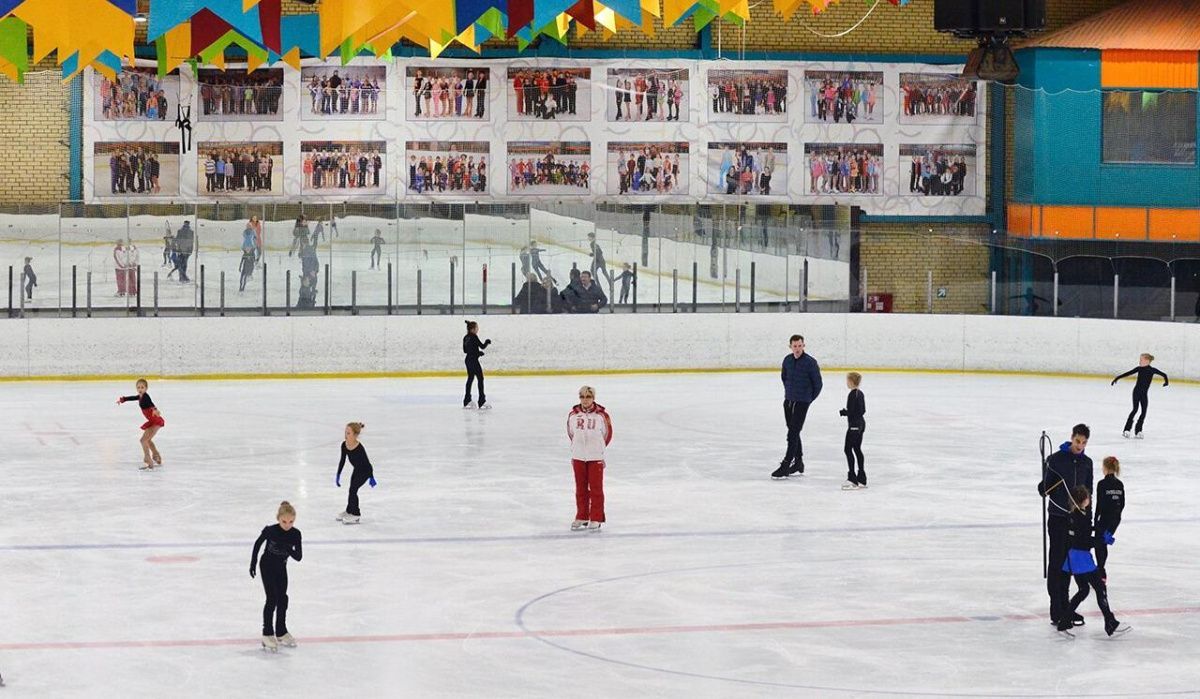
[(853, 449), (357, 479), (474, 371), (1141, 399), (275, 583), (1091, 580)]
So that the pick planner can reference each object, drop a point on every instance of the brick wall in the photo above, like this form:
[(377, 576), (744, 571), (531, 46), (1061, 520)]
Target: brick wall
[(33, 121), (897, 257)]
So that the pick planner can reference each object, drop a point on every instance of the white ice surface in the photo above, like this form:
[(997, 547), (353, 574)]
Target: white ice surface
[(709, 580)]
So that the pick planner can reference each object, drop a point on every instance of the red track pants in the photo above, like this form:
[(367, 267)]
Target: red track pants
[(589, 490)]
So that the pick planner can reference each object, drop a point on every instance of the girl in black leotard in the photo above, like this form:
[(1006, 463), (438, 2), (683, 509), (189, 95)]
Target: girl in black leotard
[(364, 472), (283, 542), (154, 423), (1141, 391), (473, 348)]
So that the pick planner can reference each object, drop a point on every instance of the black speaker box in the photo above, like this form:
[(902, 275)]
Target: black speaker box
[(975, 16)]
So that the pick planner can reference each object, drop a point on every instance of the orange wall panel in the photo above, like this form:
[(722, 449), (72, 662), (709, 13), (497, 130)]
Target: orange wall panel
[(1160, 69), (1179, 225), (1120, 223), (1067, 222), (1020, 220)]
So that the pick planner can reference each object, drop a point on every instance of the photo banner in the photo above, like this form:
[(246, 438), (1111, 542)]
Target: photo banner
[(901, 139)]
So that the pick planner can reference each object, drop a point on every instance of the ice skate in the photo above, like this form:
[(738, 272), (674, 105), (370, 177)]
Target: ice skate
[(1139, 435), (147, 466), (1064, 628), (484, 406), (269, 643), (1115, 628), (342, 517), (849, 485), (468, 405), (351, 519), (593, 526), (1125, 434), (286, 640), (781, 472), (797, 468), (579, 524)]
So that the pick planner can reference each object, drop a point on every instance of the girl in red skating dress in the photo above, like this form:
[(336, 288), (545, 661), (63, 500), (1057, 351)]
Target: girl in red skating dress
[(154, 423), (590, 430)]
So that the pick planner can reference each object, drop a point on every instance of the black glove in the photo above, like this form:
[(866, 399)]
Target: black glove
[(1042, 488), (252, 571), (1114, 382), (842, 412)]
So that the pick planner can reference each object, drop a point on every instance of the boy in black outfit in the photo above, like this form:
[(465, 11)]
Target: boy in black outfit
[(856, 408), (1110, 501), (1141, 391), (1066, 469)]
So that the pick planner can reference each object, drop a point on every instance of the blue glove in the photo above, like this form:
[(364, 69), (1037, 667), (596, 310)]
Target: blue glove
[(338, 480), (372, 482), (1109, 539), (1079, 562)]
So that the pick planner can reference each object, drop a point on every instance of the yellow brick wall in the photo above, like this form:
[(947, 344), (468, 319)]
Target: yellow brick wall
[(33, 121), (897, 257)]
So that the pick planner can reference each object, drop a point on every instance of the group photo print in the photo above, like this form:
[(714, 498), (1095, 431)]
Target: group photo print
[(844, 168), (458, 93), (649, 168), (941, 170), (447, 168), (343, 167), (843, 97), (747, 169), (137, 169), (538, 93), (937, 98), (647, 94), (136, 94), (748, 95), (240, 168), (342, 92), (549, 167), (239, 95)]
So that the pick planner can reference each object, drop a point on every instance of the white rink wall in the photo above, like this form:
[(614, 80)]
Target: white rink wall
[(283, 346)]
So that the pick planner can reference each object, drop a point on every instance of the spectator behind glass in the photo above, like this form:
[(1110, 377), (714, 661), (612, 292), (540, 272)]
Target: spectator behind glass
[(584, 296)]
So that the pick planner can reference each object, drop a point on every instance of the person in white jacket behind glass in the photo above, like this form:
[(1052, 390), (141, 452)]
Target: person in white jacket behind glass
[(590, 430)]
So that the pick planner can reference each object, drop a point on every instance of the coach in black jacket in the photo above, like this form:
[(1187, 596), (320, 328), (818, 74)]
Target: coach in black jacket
[(801, 377), (1064, 470)]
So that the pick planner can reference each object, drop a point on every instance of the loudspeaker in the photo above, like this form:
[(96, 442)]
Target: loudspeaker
[(971, 17), (1001, 15), (955, 15)]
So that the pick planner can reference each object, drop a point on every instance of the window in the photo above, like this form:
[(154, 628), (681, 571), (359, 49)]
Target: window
[(1149, 126)]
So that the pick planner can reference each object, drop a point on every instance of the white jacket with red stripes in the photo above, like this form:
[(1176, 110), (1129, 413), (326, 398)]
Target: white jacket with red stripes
[(590, 431)]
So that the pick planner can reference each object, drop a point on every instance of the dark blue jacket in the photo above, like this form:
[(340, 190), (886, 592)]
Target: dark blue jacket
[(1064, 471), (801, 378)]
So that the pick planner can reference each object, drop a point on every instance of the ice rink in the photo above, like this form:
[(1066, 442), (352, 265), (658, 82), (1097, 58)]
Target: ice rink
[(709, 579)]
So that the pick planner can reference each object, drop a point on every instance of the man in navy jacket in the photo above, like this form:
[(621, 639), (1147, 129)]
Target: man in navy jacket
[(801, 385), (1065, 469)]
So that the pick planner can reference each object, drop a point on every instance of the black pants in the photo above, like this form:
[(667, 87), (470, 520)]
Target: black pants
[(242, 283), (599, 266), (794, 413), (1140, 399), (275, 583), (1058, 583), (853, 450), (1091, 580), (1101, 552), (181, 264), (474, 371), (357, 479)]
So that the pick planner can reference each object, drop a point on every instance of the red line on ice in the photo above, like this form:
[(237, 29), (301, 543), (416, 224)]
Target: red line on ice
[(561, 633)]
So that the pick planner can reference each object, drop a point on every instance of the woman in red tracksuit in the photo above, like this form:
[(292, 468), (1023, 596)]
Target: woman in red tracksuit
[(590, 430)]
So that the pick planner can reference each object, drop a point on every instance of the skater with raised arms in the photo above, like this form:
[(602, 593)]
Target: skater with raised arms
[(283, 542), (801, 376), (590, 430), (1141, 392), (154, 422), (363, 472)]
